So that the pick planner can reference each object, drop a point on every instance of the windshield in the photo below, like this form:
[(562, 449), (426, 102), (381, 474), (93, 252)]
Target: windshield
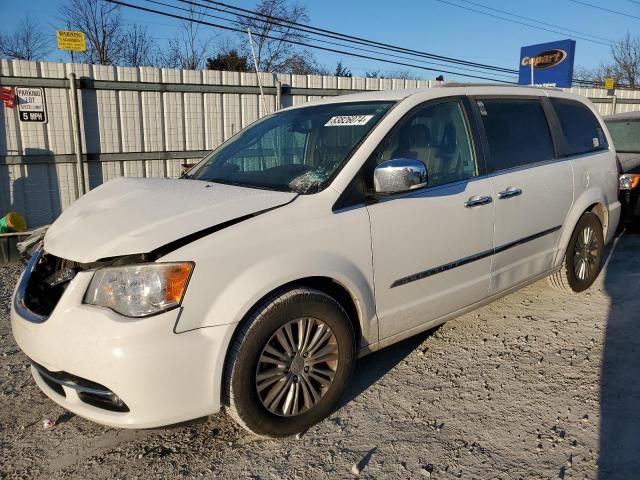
[(295, 150), (625, 135)]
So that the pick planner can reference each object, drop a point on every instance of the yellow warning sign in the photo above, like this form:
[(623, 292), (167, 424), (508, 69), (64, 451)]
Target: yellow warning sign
[(70, 40), (609, 83)]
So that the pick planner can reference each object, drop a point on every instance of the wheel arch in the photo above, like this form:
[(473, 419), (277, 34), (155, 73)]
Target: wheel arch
[(603, 215), (590, 201), (327, 285)]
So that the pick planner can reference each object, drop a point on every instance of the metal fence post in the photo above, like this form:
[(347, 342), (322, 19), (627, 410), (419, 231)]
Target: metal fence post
[(614, 103), (77, 135), (278, 84)]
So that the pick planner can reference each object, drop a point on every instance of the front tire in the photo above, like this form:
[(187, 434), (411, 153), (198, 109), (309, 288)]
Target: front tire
[(289, 364), (583, 259)]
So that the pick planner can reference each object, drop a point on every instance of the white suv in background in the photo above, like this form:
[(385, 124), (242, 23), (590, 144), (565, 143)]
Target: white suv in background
[(316, 235)]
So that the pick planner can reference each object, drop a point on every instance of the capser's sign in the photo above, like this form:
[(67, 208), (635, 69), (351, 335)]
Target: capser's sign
[(547, 59), (552, 64)]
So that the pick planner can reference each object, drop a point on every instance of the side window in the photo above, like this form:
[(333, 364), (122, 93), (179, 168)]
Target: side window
[(438, 136), (517, 132), (582, 131)]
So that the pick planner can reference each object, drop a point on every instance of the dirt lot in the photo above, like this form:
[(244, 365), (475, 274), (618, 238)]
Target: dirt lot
[(537, 385)]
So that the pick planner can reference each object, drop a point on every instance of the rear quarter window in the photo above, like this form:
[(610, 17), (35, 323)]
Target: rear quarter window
[(581, 130)]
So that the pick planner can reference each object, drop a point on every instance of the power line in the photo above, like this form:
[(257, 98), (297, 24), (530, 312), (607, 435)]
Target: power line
[(529, 19), (327, 42), (434, 56), (520, 23), (342, 52), (587, 4), (341, 36), (276, 20)]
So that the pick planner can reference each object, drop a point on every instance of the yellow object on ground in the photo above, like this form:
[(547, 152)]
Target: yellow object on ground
[(13, 222)]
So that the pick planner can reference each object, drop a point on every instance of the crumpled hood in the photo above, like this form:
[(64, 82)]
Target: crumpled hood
[(137, 215)]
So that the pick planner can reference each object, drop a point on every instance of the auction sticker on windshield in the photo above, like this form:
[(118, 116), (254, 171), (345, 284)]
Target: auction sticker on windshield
[(31, 104), (348, 120)]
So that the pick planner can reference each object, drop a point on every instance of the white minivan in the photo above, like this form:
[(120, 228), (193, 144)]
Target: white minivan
[(316, 235)]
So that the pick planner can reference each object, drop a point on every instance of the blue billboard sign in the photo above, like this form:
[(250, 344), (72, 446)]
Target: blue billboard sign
[(552, 64)]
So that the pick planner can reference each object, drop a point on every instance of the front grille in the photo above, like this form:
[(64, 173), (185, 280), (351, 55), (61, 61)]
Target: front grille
[(89, 392), (40, 296)]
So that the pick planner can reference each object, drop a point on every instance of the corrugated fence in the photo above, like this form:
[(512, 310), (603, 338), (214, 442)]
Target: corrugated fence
[(148, 121)]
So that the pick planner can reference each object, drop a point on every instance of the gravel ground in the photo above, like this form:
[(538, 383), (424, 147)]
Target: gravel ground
[(537, 385)]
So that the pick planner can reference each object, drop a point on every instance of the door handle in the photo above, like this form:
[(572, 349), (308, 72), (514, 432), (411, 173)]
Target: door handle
[(477, 201), (509, 193)]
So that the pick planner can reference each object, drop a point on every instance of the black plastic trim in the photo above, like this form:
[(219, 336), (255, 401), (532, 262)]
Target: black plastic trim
[(89, 392), (471, 258)]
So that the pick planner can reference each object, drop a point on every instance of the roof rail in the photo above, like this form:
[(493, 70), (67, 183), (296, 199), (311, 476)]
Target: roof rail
[(471, 84)]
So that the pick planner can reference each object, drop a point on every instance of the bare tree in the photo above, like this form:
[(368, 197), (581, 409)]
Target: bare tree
[(597, 74), (27, 42), (228, 60), (101, 23), (402, 75), (276, 54), (624, 66), (302, 63), (188, 49), (342, 70), (626, 60), (139, 47), (395, 74)]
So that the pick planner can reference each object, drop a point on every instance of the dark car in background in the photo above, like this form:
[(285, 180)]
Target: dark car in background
[(625, 132)]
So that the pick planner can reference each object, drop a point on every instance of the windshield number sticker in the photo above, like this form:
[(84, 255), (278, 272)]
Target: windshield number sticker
[(348, 120)]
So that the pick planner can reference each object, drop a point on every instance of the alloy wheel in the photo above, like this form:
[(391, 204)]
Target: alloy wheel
[(586, 256), (297, 366)]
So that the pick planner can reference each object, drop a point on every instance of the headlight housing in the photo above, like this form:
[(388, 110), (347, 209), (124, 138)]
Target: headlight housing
[(629, 181), (139, 290)]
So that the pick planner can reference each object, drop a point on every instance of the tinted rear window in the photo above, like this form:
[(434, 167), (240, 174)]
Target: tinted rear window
[(581, 129), (517, 131)]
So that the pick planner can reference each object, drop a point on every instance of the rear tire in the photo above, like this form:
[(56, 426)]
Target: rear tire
[(289, 364), (583, 259)]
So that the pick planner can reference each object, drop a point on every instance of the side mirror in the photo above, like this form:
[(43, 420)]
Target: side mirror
[(399, 175)]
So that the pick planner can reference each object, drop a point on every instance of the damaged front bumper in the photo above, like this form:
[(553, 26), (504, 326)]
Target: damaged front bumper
[(116, 370)]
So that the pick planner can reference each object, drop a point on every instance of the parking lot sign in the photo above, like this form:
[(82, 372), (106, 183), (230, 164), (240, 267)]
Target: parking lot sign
[(32, 106)]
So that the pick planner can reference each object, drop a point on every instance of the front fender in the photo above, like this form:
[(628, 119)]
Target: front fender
[(238, 266), (245, 290)]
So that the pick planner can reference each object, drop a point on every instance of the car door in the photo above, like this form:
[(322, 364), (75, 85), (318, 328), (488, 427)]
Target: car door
[(432, 246), (533, 190)]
